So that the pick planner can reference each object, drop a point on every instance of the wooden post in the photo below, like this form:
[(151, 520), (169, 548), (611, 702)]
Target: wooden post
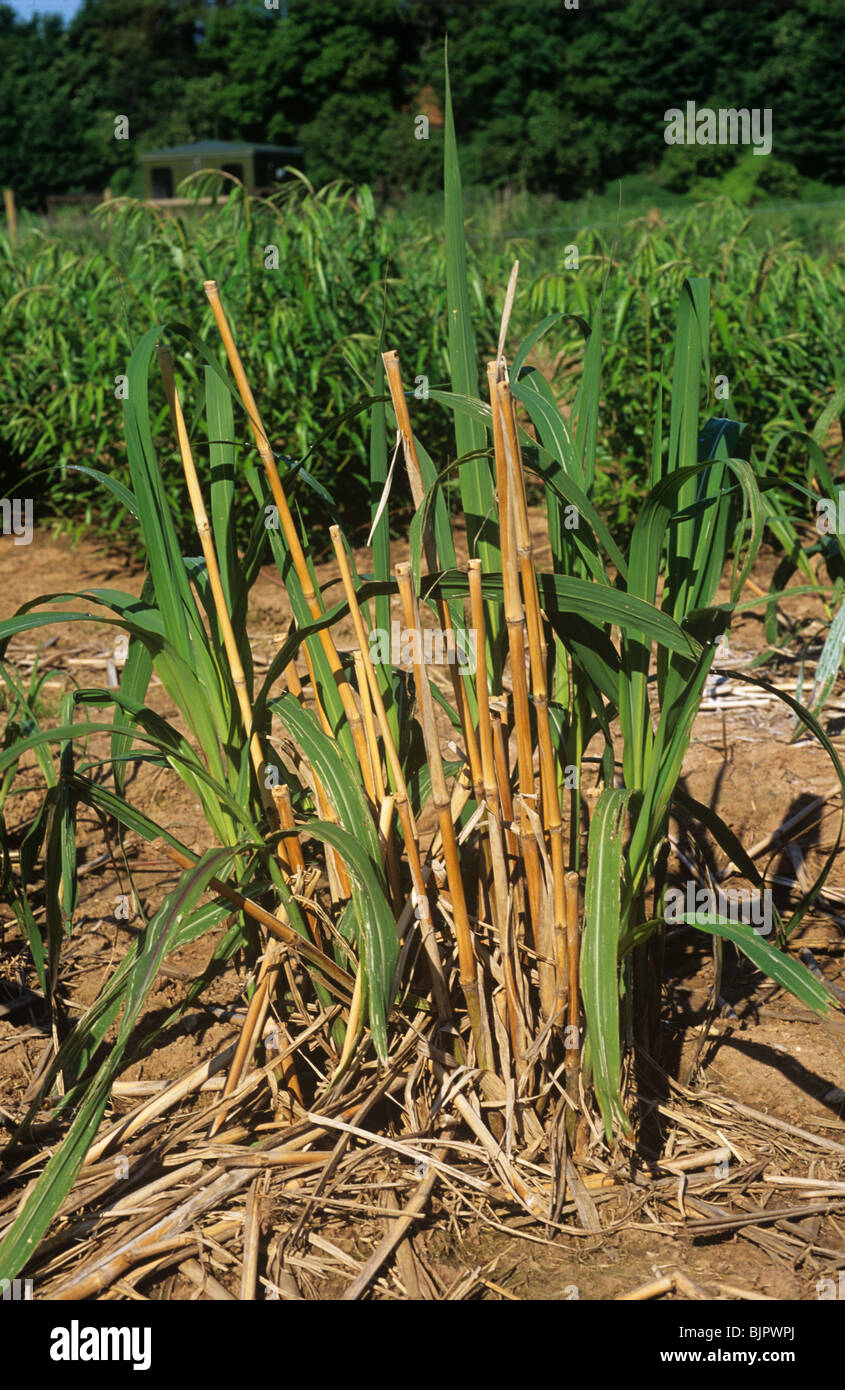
[(11, 213)]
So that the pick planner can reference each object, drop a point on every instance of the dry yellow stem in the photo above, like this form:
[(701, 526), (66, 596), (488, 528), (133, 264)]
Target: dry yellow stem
[(403, 804), (553, 823), (289, 530), (165, 362), (515, 621), (442, 804), (400, 406)]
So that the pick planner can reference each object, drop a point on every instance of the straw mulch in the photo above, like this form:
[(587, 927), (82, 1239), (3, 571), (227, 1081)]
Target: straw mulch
[(286, 1202)]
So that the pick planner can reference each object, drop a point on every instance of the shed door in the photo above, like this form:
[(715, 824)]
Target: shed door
[(162, 182), (236, 170)]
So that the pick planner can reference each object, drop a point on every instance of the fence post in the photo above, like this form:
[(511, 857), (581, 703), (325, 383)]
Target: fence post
[(11, 213)]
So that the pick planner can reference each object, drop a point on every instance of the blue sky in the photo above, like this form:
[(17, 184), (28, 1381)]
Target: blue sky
[(27, 8)]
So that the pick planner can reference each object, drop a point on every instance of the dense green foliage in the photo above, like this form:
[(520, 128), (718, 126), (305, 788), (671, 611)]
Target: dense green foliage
[(75, 305), (548, 97), (310, 327)]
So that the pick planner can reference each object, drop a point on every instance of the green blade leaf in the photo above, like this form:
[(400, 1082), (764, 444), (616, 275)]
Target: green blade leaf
[(599, 952), (477, 492), (779, 966), (58, 1177)]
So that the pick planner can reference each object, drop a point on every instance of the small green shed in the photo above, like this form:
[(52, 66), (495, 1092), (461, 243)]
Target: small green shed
[(257, 166)]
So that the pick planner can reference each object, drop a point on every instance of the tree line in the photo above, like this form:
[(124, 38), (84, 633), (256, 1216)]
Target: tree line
[(548, 97)]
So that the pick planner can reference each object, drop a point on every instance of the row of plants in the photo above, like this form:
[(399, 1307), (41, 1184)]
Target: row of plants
[(313, 275)]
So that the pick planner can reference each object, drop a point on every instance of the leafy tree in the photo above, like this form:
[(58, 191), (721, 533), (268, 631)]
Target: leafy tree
[(43, 125), (557, 100)]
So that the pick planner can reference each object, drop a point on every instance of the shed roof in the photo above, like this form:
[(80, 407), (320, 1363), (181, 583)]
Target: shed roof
[(218, 147)]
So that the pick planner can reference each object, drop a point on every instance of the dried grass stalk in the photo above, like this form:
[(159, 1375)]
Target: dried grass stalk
[(289, 530), (400, 789), (515, 620), (494, 823), (442, 804), (400, 406), (552, 821), (165, 362)]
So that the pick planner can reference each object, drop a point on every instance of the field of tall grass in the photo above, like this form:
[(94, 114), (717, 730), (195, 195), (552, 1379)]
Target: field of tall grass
[(314, 277)]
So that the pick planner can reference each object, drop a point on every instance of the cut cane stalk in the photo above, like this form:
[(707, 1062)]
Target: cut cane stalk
[(203, 526), (494, 824), (341, 982), (515, 621), (289, 530), (379, 789), (295, 856), (252, 1030), (500, 757), (400, 407), (552, 821), (573, 939), (400, 792), (441, 800)]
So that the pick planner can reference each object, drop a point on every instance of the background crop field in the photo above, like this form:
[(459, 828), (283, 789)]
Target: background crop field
[(342, 273)]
